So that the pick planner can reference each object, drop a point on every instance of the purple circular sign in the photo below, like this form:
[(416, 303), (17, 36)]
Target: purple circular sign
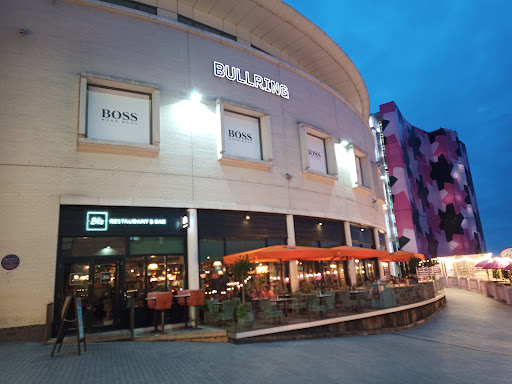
[(10, 262)]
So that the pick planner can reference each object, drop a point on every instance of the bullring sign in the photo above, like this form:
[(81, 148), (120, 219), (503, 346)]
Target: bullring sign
[(252, 80)]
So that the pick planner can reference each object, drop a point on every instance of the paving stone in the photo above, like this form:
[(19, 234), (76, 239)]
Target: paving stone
[(468, 342)]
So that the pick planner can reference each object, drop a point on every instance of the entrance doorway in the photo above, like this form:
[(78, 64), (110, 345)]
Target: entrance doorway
[(96, 281), (104, 298)]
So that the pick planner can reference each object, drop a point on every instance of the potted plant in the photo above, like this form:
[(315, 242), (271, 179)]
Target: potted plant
[(241, 271), (243, 312)]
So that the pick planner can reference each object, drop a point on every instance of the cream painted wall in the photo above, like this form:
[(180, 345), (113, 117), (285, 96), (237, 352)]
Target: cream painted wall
[(41, 168)]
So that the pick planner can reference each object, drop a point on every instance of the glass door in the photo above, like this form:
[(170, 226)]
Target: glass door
[(104, 299)]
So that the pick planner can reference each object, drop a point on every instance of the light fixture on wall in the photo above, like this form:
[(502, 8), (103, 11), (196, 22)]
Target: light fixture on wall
[(247, 217), (345, 142), (288, 176), (195, 97), (184, 222)]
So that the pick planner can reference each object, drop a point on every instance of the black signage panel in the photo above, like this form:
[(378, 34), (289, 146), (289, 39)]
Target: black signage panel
[(119, 221)]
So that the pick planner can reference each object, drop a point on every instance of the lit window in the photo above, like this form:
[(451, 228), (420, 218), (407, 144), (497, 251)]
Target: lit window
[(362, 170), (244, 136), (318, 158), (118, 117)]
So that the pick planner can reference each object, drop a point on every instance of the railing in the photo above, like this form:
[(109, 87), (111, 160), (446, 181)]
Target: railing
[(499, 290)]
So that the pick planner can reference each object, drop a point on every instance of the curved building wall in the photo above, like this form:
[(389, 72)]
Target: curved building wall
[(45, 163)]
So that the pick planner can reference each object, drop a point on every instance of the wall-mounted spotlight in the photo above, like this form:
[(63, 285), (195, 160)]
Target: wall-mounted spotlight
[(247, 217), (195, 97), (320, 224), (288, 176)]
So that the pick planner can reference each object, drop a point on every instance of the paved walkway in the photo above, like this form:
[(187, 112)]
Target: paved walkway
[(470, 341)]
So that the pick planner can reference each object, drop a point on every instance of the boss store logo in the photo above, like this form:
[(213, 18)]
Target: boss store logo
[(97, 221), (243, 137), (115, 116), (314, 154)]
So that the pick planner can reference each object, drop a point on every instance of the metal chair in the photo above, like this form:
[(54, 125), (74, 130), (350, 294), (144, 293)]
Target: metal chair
[(269, 311)]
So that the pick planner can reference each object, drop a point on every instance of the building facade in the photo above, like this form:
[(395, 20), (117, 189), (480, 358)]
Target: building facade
[(143, 141), (433, 199)]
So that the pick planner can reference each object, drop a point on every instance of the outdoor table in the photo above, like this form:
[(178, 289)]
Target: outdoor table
[(186, 296)]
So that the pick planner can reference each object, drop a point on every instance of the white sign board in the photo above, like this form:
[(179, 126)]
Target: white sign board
[(118, 115), (316, 154), (242, 135)]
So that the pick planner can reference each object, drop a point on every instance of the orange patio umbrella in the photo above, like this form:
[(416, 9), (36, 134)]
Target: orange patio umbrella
[(279, 253), (403, 256), (348, 252)]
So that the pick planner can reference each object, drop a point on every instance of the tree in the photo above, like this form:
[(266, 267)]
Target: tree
[(414, 263), (241, 271)]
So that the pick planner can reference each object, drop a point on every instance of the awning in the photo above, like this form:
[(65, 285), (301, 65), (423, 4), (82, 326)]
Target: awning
[(279, 253), (403, 256)]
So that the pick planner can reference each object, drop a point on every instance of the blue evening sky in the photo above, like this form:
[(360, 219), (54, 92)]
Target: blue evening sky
[(445, 63)]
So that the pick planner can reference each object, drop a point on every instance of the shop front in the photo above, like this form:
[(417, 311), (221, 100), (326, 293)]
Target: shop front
[(112, 257)]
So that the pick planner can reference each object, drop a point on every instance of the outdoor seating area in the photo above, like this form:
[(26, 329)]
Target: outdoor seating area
[(298, 307)]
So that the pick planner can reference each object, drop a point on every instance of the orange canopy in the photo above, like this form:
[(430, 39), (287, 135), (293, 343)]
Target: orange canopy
[(278, 253), (348, 252), (403, 256)]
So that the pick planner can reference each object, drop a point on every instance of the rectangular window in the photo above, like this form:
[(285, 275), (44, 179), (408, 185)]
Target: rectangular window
[(118, 117), (204, 27), (362, 169), (244, 137), (134, 5), (318, 156)]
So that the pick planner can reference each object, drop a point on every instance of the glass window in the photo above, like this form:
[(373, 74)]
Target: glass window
[(316, 154), (165, 273), (118, 116), (362, 236), (145, 245), (245, 136), (134, 5), (382, 241), (135, 276), (362, 169), (204, 27), (242, 134), (93, 246), (211, 249), (240, 245)]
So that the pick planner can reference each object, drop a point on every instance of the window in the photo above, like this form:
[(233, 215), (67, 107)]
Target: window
[(204, 27), (318, 158), (244, 137), (362, 236), (363, 177), (134, 5), (118, 116)]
